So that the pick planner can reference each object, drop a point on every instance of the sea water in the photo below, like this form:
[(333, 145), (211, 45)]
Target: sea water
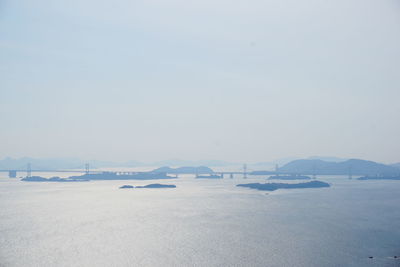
[(200, 223)]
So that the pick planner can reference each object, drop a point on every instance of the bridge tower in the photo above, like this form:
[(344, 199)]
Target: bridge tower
[(245, 171), (87, 168), (28, 170)]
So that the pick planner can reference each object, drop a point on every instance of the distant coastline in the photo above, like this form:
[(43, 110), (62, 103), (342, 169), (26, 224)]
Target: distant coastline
[(52, 179), (379, 178)]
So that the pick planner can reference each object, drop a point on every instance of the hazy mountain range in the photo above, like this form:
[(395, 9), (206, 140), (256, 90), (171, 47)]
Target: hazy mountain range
[(75, 163), (318, 165), (353, 166), (194, 170), (61, 163), (396, 165)]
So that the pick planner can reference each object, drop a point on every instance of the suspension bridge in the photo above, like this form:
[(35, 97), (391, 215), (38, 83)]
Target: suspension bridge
[(13, 173)]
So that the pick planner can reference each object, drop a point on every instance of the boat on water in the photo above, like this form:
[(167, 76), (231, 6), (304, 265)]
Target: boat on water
[(289, 177), (124, 176)]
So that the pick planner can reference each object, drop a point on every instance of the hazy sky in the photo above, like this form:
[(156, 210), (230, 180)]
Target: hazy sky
[(238, 80)]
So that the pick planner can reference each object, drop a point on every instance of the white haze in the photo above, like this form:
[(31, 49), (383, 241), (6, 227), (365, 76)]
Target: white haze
[(230, 80)]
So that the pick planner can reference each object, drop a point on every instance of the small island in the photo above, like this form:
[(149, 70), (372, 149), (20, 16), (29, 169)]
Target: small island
[(149, 186), (276, 186)]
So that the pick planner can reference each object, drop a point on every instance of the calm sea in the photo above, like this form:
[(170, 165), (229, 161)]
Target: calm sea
[(199, 223)]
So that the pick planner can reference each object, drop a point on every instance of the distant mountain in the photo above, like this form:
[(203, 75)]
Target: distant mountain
[(179, 162), (396, 165), (51, 163), (109, 164), (75, 163), (262, 164), (214, 163), (283, 161), (330, 159), (193, 170), (271, 165), (262, 172), (355, 166)]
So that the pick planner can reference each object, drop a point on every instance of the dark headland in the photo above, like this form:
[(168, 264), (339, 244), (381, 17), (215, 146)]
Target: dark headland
[(276, 186), (126, 186)]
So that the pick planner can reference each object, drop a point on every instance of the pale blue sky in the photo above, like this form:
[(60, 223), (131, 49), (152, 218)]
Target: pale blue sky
[(233, 80)]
